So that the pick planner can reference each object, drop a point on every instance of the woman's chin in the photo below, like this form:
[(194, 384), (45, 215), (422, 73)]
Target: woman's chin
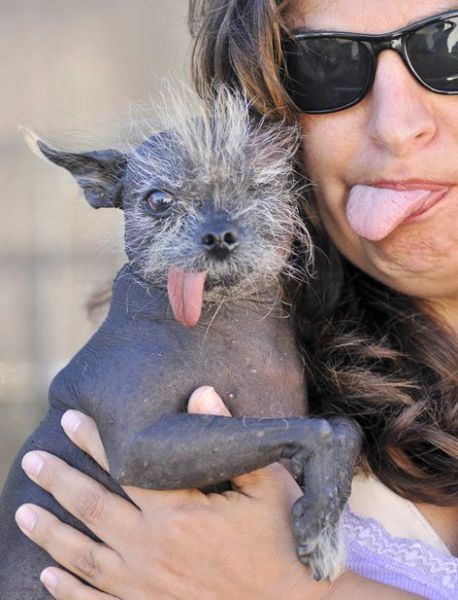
[(416, 260)]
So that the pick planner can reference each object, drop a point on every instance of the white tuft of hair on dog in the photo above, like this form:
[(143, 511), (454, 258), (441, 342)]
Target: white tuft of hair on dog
[(329, 557)]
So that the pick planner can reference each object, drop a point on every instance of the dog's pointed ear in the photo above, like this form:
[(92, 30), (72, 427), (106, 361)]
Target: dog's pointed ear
[(99, 173)]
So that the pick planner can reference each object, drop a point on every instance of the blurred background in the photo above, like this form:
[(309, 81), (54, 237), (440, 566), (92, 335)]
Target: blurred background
[(69, 69)]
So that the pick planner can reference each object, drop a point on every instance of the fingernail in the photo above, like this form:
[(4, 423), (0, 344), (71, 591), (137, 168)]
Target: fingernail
[(209, 398), (70, 421), (32, 464), (26, 518), (49, 579)]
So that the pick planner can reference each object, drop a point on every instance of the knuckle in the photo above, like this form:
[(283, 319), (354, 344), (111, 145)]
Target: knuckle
[(86, 564), (91, 506)]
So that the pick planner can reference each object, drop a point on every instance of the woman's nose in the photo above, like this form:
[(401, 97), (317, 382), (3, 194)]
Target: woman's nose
[(402, 120)]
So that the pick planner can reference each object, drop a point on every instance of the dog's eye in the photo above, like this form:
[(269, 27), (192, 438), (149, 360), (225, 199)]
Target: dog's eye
[(158, 202)]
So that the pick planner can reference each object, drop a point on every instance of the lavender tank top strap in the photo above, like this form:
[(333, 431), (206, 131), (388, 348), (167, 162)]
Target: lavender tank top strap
[(407, 564)]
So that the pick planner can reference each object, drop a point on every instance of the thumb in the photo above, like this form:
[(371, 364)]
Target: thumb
[(205, 401)]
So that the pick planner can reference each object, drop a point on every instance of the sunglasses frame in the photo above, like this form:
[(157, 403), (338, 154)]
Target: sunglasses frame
[(375, 44)]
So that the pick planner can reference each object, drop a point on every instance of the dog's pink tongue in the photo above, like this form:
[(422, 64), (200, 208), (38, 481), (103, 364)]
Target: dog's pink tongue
[(373, 213), (186, 292)]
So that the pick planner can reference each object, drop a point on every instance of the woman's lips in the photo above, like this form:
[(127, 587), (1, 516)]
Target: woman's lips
[(411, 184), (374, 211), (431, 202)]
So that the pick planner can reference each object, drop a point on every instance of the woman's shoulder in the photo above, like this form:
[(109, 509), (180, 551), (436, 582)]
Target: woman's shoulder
[(370, 498), (389, 541)]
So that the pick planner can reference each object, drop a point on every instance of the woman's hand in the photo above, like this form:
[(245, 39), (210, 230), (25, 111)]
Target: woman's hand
[(177, 544)]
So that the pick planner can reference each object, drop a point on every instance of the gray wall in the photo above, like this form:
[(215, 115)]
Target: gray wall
[(70, 69)]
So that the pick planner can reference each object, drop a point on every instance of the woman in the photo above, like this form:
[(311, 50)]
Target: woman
[(380, 140)]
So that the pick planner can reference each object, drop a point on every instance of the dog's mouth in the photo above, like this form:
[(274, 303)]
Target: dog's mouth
[(186, 292)]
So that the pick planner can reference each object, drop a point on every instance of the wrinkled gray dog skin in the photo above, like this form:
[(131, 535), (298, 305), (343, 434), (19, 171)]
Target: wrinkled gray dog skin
[(210, 214)]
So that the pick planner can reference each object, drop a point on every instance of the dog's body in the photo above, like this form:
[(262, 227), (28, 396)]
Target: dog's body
[(210, 218)]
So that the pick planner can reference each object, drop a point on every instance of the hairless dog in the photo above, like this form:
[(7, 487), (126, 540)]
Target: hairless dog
[(212, 232)]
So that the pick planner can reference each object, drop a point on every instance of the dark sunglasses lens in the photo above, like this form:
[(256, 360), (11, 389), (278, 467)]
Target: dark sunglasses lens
[(326, 74), (433, 53)]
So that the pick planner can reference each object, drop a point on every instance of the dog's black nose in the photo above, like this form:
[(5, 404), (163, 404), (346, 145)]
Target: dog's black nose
[(220, 239)]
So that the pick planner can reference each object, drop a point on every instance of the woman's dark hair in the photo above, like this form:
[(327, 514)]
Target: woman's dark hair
[(372, 353), (238, 43)]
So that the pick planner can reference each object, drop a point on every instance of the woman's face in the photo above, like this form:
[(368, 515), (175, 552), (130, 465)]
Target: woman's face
[(400, 138)]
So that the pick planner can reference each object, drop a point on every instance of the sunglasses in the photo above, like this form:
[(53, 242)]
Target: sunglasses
[(330, 71)]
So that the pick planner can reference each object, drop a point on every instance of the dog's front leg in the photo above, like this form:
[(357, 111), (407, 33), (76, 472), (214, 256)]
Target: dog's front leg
[(185, 450)]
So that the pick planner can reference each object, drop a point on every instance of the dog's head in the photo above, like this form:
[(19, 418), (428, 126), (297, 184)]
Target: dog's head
[(210, 203)]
